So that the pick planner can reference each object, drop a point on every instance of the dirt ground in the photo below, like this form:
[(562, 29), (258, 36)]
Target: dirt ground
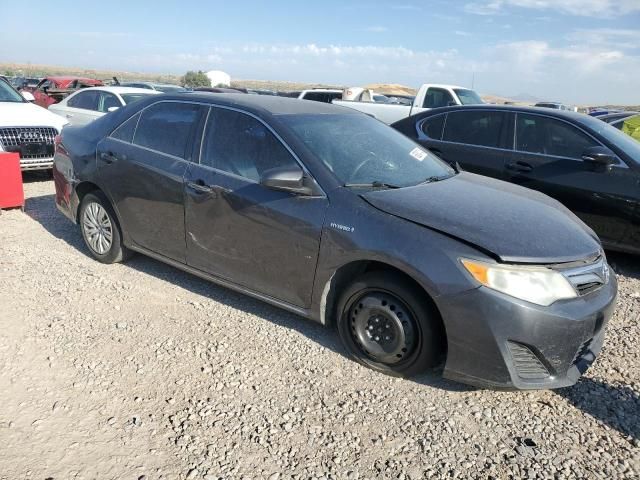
[(140, 371)]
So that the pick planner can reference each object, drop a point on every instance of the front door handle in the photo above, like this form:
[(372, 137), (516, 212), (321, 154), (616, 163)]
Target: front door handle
[(200, 187), (69, 115), (519, 167)]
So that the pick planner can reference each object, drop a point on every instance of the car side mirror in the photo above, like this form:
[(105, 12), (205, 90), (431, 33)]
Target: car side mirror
[(286, 179), (600, 157), (28, 96), (451, 103), (112, 109)]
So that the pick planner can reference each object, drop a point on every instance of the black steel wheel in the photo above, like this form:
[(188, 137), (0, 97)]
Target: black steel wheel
[(386, 323)]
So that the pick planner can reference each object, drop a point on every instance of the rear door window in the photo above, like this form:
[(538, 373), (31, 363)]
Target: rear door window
[(239, 144), (126, 130), (549, 136), (437, 97), (432, 126), (483, 128), (167, 127)]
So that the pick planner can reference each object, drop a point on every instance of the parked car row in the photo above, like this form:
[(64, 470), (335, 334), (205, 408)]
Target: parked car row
[(330, 213)]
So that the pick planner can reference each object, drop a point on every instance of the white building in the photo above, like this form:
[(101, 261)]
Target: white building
[(219, 78)]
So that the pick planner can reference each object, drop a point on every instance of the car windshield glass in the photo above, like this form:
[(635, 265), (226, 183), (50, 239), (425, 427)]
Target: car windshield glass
[(361, 150), (8, 94), (132, 97), (168, 88), (468, 97), (624, 142)]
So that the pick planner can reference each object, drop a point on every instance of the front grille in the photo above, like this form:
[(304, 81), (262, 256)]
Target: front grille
[(588, 287), (29, 142), (589, 278), (528, 365)]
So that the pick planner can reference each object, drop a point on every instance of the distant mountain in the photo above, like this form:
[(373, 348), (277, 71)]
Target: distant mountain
[(525, 97)]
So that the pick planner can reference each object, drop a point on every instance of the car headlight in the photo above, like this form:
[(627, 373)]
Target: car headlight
[(539, 285)]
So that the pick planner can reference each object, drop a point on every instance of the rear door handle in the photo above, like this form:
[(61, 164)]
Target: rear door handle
[(519, 167), (69, 115), (108, 157), (200, 187)]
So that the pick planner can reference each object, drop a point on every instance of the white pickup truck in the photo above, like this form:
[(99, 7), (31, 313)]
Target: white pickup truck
[(429, 96)]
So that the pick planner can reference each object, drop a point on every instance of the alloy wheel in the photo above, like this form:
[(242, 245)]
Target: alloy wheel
[(97, 228)]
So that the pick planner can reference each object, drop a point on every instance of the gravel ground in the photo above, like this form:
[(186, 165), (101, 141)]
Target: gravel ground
[(140, 371)]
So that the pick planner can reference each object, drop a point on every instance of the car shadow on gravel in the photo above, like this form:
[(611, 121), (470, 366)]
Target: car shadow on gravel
[(625, 264), (42, 209), (617, 406)]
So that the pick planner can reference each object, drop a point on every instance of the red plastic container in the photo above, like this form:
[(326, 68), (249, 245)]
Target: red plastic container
[(11, 191)]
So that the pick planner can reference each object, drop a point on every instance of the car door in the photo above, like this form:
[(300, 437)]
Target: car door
[(547, 157), (261, 239), (141, 165), (81, 108), (474, 138)]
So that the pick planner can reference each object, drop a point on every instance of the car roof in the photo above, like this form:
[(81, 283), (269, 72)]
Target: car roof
[(154, 84), (322, 90), (584, 120), (121, 90), (569, 114), (264, 104)]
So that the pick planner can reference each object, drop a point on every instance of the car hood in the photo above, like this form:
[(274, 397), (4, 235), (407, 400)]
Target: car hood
[(28, 115), (511, 223)]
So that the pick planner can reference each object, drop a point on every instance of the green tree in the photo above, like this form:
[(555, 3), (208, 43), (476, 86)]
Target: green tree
[(196, 79)]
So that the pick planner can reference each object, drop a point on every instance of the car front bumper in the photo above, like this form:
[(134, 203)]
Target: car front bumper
[(36, 163), (497, 341)]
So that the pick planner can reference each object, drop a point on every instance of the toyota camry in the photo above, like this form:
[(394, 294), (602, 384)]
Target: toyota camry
[(328, 213)]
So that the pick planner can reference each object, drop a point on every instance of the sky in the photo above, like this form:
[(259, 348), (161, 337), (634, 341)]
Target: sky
[(572, 51)]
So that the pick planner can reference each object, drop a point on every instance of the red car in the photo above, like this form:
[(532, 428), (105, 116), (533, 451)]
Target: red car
[(51, 90)]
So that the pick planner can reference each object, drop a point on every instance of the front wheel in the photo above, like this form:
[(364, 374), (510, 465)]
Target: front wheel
[(386, 324), (100, 229)]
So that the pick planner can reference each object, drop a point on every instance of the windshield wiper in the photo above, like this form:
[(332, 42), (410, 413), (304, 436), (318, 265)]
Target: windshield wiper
[(374, 184), (432, 180)]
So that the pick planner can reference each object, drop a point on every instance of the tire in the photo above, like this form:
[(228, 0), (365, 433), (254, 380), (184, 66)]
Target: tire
[(387, 324), (101, 230)]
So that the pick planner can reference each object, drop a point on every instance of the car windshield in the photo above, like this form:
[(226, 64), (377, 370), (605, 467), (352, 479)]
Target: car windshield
[(624, 142), (132, 97), (381, 99), (361, 150), (169, 88), (468, 97), (8, 94)]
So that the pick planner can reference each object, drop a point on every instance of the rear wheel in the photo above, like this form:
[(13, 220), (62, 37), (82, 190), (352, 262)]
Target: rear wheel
[(386, 324), (100, 229)]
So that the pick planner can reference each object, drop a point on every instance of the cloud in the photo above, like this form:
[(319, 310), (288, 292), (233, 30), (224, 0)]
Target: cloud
[(462, 33), (586, 8), (626, 39)]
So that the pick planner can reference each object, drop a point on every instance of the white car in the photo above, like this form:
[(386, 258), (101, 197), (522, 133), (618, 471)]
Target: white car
[(429, 96), (87, 104), (27, 129)]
